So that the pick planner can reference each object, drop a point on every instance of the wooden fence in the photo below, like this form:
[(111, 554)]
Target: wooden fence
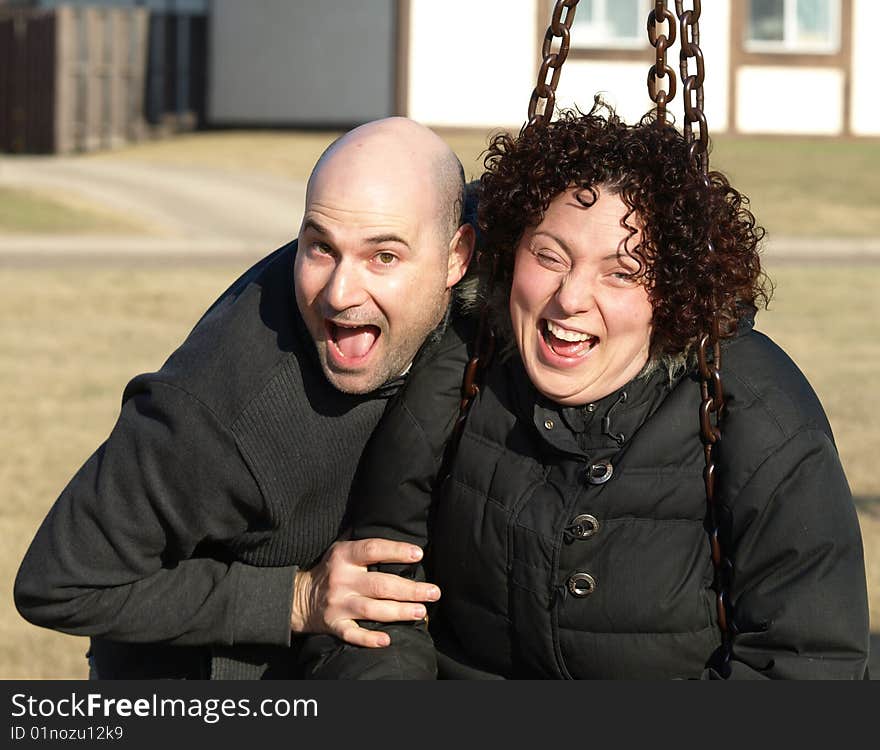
[(87, 78)]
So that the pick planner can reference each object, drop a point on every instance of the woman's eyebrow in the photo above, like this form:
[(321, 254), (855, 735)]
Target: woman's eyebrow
[(553, 237)]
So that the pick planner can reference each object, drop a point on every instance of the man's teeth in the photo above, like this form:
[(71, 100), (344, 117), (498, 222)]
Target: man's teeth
[(565, 335)]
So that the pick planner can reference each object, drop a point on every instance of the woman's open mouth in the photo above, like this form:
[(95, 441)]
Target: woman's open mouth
[(565, 342)]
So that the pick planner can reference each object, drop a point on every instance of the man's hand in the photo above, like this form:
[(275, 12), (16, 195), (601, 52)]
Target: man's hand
[(339, 590)]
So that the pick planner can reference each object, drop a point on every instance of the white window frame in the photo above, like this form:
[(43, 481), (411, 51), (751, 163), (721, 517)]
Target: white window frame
[(789, 43), (598, 40)]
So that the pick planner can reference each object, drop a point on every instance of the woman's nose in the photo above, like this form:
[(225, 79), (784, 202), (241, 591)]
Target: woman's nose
[(575, 294)]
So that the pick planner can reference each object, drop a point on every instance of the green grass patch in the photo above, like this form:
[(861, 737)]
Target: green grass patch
[(32, 212)]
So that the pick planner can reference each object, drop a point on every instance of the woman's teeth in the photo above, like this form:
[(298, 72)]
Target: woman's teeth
[(562, 333)]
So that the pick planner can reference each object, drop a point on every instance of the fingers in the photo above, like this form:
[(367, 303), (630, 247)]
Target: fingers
[(339, 590), (352, 633), (371, 551), (380, 610), (388, 586), (377, 611)]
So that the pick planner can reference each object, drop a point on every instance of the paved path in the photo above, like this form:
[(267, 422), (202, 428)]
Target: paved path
[(198, 213), (189, 211)]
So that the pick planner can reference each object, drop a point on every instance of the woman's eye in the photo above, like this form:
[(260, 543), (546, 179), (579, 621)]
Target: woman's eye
[(546, 259), (625, 277), (386, 259)]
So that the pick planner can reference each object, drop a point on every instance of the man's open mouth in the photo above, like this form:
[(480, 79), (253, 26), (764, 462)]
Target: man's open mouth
[(565, 342), (352, 342)]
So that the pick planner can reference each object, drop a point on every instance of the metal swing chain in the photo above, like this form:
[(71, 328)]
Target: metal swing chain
[(544, 91), (711, 389), (692, 86), (660, 71), (551, 63)]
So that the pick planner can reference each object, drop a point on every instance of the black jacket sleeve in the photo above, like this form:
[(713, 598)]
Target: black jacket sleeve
[(391, 499), (798, 587), (400, 468), (123, 552)]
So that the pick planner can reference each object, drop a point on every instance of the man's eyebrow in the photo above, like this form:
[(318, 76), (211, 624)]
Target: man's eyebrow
[(314, 226), (381, 239)]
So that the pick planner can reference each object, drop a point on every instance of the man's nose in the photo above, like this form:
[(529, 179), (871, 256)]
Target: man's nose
[(576, 293), (346, 287)]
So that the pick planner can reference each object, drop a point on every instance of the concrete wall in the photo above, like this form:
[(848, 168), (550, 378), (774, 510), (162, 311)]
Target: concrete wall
[(469, 64), (623, 84), (291, 63), (783, 100), (865, 101)]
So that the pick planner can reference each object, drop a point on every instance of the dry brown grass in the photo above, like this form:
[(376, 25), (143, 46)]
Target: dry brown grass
[(71, 337), (54, 211), (798, 186), (825, 317)]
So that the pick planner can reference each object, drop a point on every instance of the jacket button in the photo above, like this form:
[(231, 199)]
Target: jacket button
[(600, 472), (548, 424), (584, 526), (581, 585)]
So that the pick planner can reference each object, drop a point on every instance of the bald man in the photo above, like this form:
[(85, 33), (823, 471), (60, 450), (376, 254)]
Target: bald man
[(198, 540)]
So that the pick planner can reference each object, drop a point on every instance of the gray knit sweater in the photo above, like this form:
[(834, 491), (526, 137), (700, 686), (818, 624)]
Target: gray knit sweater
[(226, 470)]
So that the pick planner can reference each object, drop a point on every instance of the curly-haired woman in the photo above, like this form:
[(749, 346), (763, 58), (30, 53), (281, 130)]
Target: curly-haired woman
[(569, 536)]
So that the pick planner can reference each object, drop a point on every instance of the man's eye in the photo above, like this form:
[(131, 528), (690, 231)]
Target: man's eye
[(322, 248), (386, 259)]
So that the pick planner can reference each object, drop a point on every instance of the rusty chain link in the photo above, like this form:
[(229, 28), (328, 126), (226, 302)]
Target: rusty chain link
[(692, 85), (552, 59), (551, 63), (660, 72), (711, 386), (484, 349)]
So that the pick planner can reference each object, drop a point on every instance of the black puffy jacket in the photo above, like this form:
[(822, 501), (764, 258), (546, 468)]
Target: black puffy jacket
[(571, 542)]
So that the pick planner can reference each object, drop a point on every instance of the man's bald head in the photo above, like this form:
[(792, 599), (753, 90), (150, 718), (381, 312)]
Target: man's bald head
[(380, 248), (407, 155)]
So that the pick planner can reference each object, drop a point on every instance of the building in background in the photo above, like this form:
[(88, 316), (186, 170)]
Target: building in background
[(80, 75), (772, 66), (312, 63)]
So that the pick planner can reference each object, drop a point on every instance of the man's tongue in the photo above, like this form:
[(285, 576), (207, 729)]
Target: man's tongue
[(355, 342)]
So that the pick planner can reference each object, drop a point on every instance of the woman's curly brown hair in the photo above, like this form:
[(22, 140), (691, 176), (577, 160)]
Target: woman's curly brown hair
[(647, 165)]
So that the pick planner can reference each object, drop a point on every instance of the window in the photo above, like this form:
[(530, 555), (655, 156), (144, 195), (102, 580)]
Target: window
[(611, 23), (793, 26)]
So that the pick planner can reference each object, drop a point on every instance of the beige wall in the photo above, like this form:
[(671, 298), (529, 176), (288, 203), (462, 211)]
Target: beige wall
[(469, 65)]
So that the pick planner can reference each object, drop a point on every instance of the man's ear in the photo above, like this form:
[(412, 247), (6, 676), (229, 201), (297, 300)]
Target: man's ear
[(461, 250)]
